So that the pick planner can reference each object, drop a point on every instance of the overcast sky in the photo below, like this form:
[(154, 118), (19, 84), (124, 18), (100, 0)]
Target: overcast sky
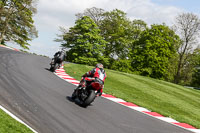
[(54, 13)]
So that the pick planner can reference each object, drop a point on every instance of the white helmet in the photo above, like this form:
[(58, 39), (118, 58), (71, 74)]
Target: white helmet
[(99, 65)]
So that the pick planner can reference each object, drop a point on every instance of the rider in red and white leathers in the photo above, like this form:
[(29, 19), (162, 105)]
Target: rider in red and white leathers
[(97, 72)]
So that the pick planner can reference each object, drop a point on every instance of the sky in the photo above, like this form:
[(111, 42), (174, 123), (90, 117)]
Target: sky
[(52, 14)]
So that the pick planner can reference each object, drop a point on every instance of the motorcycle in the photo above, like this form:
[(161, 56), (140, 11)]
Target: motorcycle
[(87, 92), (55, 63)]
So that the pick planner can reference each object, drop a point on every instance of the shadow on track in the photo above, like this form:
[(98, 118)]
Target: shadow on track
[(47, 69)]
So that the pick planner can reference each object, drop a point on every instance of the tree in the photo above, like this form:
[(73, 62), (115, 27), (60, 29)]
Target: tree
[(138, 26), (136, 29), (84, 42), (94, 13), (151, 53), (16, 23), (187, 27), (118, 31), (115, 28)]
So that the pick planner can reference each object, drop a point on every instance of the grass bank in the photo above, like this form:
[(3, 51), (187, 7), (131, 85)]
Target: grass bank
[(170, 100), (10, 125)]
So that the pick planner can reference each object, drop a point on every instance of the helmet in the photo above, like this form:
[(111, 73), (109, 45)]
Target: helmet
[(99, 65)]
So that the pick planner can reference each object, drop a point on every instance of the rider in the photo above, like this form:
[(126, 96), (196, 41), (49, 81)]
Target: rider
[(60, 54), (97, 72)]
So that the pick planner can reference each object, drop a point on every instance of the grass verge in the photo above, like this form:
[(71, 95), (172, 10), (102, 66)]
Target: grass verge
[(10, 125), (168, 99)]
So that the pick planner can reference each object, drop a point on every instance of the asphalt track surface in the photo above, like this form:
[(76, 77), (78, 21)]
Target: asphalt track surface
[(42, 100)]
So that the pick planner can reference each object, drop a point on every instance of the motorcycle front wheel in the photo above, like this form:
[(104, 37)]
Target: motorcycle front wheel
[(74, 95), (51, 68), (56, 66), (89, 99)]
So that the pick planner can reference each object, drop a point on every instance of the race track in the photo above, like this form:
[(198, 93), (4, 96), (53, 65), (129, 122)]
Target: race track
[(41, 99)]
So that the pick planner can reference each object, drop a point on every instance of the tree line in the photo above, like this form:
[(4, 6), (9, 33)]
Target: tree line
[(157, 51), (110, 37)]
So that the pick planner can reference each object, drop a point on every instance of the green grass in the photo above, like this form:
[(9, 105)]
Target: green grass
[(170, 100), (10, 125)]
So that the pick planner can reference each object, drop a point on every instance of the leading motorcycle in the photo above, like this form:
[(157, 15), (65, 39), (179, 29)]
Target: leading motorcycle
[(55, 63), (87, 91)]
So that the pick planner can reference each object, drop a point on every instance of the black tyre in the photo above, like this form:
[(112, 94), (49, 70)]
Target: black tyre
[(51, 69), (56, 66), (73, 95), (89, 99)]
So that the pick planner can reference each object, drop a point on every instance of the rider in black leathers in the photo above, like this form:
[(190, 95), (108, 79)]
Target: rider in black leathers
[(60, 55)]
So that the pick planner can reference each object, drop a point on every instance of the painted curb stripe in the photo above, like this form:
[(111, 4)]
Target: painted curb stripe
[(167, 119), (108, 96), (185, 125), (69, 78), (15, 49), (129, 104), (140, 109), (61, 73), (154, 114), (195, 130), (75, 83), (117, 100)]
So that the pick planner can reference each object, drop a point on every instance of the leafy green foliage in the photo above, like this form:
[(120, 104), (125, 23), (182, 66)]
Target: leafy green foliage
[(138, 26), (196, 74), (115, 28), (122, 65), (172, 68), (132, 46), (136, 29), (196, 78), (84, 42), (151, 53), (16, 23)]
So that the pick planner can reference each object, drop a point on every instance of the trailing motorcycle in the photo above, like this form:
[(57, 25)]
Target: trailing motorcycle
[(87, 91)]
